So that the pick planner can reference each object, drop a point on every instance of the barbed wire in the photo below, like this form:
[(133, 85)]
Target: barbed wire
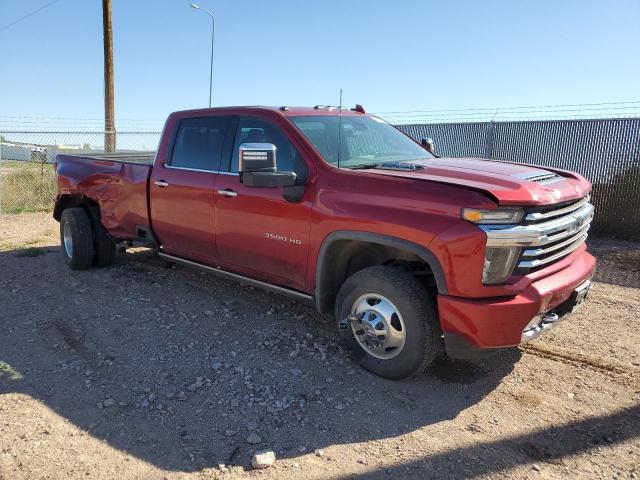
[(492, 109), (608, 110)]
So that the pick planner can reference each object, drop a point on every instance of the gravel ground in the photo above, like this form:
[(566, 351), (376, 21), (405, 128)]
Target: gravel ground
[(147, 370)]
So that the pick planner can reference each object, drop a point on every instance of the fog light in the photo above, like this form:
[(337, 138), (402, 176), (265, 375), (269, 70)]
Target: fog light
[(498, 263)]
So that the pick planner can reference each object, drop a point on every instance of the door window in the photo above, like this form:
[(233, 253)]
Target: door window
[(198, 143), (255, 130)]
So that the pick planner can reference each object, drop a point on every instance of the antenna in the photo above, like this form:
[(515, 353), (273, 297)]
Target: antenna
[(339, 127)]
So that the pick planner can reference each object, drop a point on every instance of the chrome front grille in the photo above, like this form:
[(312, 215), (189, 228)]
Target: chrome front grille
[(565, 229), (545, 235)]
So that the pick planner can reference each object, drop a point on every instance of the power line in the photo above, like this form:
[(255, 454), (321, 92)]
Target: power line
[(500, 113), (493, 109), (24, 17)]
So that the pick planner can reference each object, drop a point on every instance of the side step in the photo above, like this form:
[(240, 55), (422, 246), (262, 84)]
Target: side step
[(241, 278)]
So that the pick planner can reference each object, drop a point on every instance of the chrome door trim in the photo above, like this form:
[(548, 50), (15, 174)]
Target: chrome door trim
[(232, 174), (189, 169)]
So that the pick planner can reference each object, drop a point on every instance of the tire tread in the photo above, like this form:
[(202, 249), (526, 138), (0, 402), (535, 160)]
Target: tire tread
[(82, 236), (416, 294), (104, 247)]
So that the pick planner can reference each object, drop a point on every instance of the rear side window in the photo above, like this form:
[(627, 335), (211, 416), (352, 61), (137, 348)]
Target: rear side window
[(199, 142)]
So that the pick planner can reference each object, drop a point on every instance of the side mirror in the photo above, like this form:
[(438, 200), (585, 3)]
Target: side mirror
[(258, 168), (427, 144)]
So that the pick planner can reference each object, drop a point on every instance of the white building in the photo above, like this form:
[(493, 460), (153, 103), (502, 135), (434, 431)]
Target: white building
[(24, 152)]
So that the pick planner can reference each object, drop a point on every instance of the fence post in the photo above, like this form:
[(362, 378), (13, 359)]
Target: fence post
[(1, 139), (488, 151), (110, 139)]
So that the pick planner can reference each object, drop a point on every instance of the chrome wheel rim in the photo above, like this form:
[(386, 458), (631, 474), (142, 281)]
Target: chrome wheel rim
[(378, 326), (68, 240)]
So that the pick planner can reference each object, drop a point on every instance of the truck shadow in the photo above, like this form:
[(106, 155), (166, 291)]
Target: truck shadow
[(179, 368), (549, 445)]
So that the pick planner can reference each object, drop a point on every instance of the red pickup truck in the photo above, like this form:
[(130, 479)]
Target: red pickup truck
[(412, 253)]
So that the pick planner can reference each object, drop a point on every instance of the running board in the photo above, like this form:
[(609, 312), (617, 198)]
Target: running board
[(241, 278)]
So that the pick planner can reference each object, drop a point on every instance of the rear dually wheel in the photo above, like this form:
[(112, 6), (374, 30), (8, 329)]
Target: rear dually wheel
[(76, 237)]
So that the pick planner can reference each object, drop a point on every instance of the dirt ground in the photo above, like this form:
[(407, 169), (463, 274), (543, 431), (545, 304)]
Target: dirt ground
[(146, 370)]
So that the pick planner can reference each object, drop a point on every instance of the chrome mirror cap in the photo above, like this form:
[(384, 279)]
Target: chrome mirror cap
[(257, 157)]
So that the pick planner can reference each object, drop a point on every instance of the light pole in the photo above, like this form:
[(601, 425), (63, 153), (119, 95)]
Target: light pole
[(213, 30)]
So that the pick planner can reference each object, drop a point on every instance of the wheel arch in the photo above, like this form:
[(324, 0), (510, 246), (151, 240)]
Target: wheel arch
[(71, 200), (341, 249)]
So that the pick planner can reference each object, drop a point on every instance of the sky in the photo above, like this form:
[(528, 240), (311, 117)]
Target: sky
[(389, 56)]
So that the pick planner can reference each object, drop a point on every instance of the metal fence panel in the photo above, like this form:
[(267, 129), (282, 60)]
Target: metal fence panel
[(453, 139), (606, 151)]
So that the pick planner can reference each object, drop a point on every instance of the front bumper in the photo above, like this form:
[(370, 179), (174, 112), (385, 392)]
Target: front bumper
[(469, 324)]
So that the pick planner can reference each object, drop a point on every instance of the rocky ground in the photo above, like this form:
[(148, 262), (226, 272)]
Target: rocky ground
[(144, 370)]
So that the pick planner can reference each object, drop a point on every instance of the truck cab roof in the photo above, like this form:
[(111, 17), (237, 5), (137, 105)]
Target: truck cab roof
[(282, 110)]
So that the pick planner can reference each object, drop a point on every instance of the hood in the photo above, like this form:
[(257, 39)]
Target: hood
[(508, 183)]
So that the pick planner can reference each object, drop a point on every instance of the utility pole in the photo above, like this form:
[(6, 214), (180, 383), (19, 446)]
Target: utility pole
[(109, 116)]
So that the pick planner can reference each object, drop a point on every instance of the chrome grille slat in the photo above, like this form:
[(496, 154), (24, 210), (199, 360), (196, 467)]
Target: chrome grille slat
[(543, 261), (537, 216), (544, 251), (568, 233)]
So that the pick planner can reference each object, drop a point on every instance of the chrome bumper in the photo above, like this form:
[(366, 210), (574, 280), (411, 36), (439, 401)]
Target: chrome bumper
[(544, 322), (540, 324)]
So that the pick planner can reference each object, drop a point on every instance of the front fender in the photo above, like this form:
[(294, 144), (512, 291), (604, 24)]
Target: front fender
[(323, 294)]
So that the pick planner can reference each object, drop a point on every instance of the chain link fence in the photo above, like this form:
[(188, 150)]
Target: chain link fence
[(27, 178), (606, 151)]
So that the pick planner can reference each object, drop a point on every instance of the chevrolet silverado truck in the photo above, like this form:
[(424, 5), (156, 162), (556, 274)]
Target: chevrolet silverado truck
[(412, 253)]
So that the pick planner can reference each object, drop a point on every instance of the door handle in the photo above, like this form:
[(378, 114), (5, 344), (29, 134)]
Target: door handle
[(161, 183), (227, 192)]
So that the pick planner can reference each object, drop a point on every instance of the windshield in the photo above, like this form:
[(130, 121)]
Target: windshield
[(364, 141)]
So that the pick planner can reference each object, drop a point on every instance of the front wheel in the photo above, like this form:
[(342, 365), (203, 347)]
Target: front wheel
[(388, 321)]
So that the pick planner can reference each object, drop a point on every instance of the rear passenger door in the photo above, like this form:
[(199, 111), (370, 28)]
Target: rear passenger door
[(182, 187), (258, 232)]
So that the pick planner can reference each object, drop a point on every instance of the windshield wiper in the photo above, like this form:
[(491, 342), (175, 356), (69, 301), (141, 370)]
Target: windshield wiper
[(389, 166), (363, 165)]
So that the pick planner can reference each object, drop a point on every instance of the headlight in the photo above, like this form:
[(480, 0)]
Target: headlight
[(499, 263), (499, 215)]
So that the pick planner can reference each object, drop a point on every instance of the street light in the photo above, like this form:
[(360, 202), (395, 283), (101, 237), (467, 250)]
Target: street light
[(213, 29)]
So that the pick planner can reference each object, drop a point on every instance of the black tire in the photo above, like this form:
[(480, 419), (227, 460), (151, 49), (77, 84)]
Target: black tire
[(418, 312), (79, 255), (104, 246)]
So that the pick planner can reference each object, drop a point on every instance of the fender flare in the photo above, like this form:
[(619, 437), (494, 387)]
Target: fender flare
[(377, 238)]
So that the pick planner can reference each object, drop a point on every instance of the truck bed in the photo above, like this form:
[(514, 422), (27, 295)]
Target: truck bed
[(117, 182)]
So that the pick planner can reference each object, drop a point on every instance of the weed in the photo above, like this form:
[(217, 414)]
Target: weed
[(7, 370)]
